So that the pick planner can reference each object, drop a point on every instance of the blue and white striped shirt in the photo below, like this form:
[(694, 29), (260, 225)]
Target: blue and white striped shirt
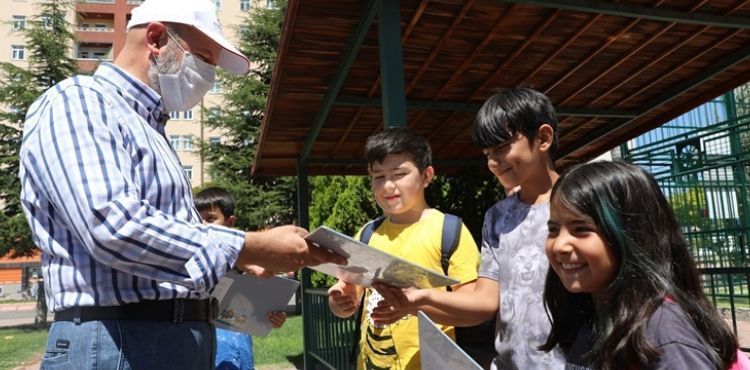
[(108, 202)]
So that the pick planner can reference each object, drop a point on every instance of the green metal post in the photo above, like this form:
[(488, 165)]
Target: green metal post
[(391, 63), (303, 191)]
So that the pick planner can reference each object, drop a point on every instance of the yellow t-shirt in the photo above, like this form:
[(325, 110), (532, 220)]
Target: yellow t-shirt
[(396, 346)]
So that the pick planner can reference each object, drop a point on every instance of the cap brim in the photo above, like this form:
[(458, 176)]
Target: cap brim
[(230, 58)]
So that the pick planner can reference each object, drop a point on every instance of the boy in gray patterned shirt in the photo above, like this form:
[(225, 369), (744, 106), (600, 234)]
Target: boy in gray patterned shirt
[(517, 130)]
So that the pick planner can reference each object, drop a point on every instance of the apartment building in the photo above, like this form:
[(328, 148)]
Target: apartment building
[(99, 27)]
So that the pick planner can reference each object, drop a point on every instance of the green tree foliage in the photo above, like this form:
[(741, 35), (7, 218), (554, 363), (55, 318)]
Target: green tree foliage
[(48, 40), (467, 195), (344, 203), (261, 202)]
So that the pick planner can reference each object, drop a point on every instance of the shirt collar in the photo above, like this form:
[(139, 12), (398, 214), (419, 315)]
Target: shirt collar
[(144, 100)]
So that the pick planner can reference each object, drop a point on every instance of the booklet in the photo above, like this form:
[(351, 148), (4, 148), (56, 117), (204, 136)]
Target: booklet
[(245, 300), (367, 264), (438, 351)]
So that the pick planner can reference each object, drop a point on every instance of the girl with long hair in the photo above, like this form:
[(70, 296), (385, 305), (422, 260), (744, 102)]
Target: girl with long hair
[(623, 291)]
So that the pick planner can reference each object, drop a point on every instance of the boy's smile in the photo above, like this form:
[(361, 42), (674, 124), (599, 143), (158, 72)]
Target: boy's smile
[(513, 161), (398, 187)]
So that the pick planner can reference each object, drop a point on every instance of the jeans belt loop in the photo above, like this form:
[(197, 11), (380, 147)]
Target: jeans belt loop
[(213, 309), (77, 315), (179, 310)]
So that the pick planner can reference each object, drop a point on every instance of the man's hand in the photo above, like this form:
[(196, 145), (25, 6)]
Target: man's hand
[(343, 298), (282, 249), (396, 303)]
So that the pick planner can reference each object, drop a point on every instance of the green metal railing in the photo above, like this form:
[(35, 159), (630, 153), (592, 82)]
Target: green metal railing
[(703, 170), (329, 339)]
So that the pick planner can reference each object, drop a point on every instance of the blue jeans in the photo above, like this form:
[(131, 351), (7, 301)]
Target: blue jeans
[(122, 344), (234, 351)]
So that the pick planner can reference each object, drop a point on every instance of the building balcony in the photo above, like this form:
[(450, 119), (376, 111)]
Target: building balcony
[(94, 29), (95, 37)]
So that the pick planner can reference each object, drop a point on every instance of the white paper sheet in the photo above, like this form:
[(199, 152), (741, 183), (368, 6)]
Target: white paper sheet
[(440, 352), (367, 264), (245, 300)]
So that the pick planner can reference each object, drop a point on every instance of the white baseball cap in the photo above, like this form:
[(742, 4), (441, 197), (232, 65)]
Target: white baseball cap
[(200, 14)]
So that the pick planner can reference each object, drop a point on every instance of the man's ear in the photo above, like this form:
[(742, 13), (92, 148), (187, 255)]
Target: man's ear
[(229, 222), (156, 37), (427, 175), (545, 135)]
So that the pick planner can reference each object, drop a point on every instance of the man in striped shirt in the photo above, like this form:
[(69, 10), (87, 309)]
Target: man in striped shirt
[(127, 263)]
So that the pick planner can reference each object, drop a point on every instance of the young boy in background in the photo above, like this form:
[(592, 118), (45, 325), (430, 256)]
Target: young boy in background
[(234, 350), (399, 162), (517, 131)]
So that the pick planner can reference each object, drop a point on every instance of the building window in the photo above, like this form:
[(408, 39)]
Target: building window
[(174, 141), (17, 52), (213, 113), (214, 140), (216, 88), (217, 3), (188, 172), (46, 22), (19, 22), (174, 115), (270, 4), (244, 32), (188, 114), (187, 142), (244, 5)]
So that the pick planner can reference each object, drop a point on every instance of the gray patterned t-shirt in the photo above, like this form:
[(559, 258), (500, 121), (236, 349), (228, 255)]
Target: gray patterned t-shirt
[(513, 238)]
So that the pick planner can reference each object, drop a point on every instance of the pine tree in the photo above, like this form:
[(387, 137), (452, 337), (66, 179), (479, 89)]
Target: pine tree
[(260, 202), (48, 40)]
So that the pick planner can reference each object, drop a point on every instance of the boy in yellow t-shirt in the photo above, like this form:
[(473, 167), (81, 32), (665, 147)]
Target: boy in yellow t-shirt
[(399, 162)]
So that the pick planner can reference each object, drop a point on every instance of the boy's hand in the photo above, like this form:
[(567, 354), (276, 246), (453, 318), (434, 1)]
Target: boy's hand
[(283, 249), (276, 319), (396, 303), (343, 299)]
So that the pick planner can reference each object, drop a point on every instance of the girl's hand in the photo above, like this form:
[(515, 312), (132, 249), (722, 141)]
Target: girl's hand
[(277, 319)]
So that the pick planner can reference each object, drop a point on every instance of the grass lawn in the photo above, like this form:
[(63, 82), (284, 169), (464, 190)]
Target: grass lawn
[(19, 344), (281, 346)]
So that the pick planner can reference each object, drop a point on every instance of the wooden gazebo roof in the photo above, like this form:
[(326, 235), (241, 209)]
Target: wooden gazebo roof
[(613, 70)]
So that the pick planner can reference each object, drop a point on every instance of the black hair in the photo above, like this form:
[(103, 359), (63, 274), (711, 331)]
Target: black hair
[(513, 111), (636, 221), (215, 197), (398, 140)]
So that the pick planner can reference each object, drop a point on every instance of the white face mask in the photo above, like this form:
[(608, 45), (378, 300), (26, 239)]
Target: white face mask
[(186, 87)]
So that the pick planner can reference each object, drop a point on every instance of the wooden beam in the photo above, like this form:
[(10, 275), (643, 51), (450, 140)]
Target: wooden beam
[(636, 11), (345, 64)]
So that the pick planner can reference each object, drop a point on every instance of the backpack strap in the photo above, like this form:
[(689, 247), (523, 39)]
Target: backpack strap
[(369, 229), (449, 240), (364, 237)]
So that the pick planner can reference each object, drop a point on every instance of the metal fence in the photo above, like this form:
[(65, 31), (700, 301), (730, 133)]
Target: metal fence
[(329, 340), (702, 163)]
